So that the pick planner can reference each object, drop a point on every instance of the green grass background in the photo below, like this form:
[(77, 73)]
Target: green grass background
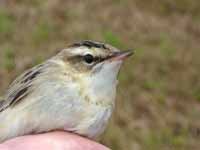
[(158, 102)]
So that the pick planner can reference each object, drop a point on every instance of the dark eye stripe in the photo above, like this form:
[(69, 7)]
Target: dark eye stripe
[(98, 59), (79, 58)]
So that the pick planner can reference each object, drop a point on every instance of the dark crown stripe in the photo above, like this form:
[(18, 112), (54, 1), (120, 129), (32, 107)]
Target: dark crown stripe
[(89, 44)]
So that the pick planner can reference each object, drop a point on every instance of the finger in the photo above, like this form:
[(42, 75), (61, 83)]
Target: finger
[(52, 141)]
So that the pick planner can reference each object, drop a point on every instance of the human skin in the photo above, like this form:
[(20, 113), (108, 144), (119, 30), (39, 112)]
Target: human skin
[(51, 141)]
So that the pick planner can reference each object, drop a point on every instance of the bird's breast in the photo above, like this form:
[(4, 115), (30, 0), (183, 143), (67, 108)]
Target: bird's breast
[(95, 121)]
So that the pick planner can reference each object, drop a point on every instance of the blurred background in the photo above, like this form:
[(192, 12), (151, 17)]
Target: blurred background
[(158, 103)]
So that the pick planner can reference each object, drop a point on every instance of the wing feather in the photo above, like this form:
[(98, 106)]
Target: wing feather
[(21, 87)]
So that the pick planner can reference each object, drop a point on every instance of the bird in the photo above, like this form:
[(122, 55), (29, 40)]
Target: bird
[(73, 91)]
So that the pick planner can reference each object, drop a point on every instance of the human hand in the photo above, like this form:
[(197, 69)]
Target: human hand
[(51, 141)]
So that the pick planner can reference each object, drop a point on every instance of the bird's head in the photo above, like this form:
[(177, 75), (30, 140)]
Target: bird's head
[(95, 64)]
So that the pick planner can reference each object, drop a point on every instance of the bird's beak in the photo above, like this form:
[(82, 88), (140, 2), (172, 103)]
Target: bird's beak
[(122, 55)]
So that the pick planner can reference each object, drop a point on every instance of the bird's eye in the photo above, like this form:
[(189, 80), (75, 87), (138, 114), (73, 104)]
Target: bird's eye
[(88, 58)]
